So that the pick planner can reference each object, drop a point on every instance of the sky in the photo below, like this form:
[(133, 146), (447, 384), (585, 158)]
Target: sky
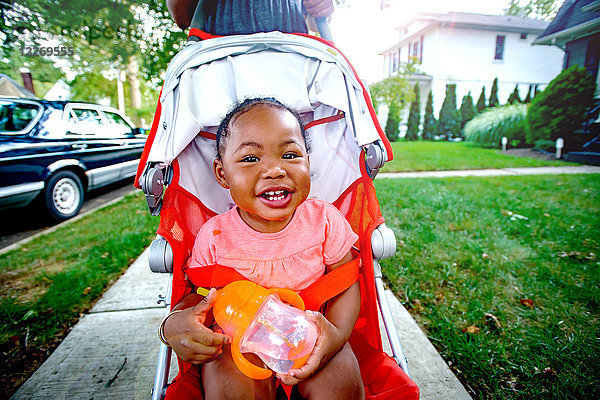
[(361, 30)]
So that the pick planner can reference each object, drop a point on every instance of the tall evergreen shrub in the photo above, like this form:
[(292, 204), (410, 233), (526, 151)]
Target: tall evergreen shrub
[(449, 121), (514, 96), (429, 122), (528, 97), (560, 109), (481, 102), (393, 120), (494, 102), (414, 117), (467, 110)]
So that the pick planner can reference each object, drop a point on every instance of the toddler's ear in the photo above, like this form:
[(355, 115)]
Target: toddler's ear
[(220, 173)]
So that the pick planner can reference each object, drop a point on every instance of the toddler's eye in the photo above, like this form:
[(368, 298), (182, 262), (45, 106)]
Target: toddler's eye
[(289, 156), (250, 159)]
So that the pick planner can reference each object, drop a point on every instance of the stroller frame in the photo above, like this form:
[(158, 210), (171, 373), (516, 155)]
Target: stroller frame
[(153, 176)]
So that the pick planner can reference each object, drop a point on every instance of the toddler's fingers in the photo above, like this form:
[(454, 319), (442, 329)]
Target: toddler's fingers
[(199, 349), (206, 304), (211, 339)]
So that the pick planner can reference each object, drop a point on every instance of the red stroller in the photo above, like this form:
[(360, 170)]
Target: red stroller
[(202, 82)]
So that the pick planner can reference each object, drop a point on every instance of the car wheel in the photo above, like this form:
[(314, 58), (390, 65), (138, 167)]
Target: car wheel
[(63, 195)]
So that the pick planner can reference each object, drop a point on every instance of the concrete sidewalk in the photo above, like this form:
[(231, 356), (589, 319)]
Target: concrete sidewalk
[(111, 353), (579, 169)]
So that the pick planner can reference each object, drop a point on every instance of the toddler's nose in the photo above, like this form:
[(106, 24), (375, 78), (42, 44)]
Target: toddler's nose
[(273, 170)]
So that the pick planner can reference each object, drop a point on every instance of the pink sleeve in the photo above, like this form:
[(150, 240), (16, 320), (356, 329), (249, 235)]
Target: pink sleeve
[(339, 236), (201, 252)]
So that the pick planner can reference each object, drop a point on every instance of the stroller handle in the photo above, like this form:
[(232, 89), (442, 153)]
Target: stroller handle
[(199, 17)]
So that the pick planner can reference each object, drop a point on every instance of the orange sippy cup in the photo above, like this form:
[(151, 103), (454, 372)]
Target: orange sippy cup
[(260, 323)]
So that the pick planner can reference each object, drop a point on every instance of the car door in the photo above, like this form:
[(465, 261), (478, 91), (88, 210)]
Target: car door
[(109, 150)]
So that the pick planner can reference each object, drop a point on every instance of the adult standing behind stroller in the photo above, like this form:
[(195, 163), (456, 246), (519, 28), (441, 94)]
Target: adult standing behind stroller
[(240, 17)]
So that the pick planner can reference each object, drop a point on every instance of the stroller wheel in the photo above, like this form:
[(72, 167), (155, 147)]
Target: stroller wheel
[(63, 195)]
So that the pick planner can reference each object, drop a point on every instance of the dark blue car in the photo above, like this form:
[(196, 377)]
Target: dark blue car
[(55, 151)]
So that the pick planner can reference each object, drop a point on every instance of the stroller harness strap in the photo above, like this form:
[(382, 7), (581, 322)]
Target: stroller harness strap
[(326, 287)]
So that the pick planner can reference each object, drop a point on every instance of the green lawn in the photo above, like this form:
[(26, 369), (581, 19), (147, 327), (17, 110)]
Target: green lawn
[(441, 156), (503, 275), (48, 282)]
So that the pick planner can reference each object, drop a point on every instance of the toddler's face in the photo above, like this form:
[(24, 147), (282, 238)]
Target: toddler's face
[(265, 166)]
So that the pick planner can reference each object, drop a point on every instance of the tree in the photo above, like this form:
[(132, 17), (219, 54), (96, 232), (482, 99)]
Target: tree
[(393, 121), (481, 102), (429, 122), (537, 9), (449, 121), (560, 109), (514, 96), (104, 35), (393, 89), (494, 102), (528, 97), (467, 110), (414, 117)]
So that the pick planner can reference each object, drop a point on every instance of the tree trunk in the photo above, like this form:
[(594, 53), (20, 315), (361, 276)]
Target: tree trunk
[(134, 84)]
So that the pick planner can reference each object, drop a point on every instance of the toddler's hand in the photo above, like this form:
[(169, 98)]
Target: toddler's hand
[(190, 338), (329, 342)]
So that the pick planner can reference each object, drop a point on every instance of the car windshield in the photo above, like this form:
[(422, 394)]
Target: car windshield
[(16, 117)]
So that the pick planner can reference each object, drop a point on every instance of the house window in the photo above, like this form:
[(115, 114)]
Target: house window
[(499, 55), (523, 36), (421, 53)]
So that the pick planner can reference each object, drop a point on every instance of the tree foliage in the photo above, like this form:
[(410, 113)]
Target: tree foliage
[(101, 32), (429, 121), (537, 9), (493, 101), (560, 109), (481, 101), (394, 89), (467, 109), (449, 121), (414, 116)]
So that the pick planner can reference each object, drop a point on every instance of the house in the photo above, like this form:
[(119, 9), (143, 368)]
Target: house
[(576, 30), (470, 50)]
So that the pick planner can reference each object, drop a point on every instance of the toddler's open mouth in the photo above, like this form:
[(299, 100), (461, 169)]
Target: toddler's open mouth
[(275, 195)]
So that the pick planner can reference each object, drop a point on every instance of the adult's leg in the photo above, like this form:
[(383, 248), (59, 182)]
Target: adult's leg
[(338, 379), (223, 380)]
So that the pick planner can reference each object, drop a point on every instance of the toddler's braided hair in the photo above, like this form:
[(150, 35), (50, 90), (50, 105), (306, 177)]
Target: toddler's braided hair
[(246, 105)]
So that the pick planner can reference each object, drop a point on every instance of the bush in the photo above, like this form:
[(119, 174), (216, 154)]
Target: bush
[(559, 110), (393, 120), (546, 145), (449, 121), (414, 117), (494, 102), (429, 121), (488, 128)]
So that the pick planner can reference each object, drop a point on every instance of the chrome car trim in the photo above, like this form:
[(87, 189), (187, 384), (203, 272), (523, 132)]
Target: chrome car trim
[(55, 166), (21, 188), (100, 176)]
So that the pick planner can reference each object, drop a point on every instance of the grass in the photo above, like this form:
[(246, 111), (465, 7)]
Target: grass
[(50, 281), (503, 275), (439, 156)]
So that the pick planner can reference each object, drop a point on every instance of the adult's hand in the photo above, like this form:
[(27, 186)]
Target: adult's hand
[(190, 338), (319, 8), (182, 11)]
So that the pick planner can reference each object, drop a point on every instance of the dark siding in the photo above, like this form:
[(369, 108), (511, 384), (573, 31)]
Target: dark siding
[(580, 53)]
